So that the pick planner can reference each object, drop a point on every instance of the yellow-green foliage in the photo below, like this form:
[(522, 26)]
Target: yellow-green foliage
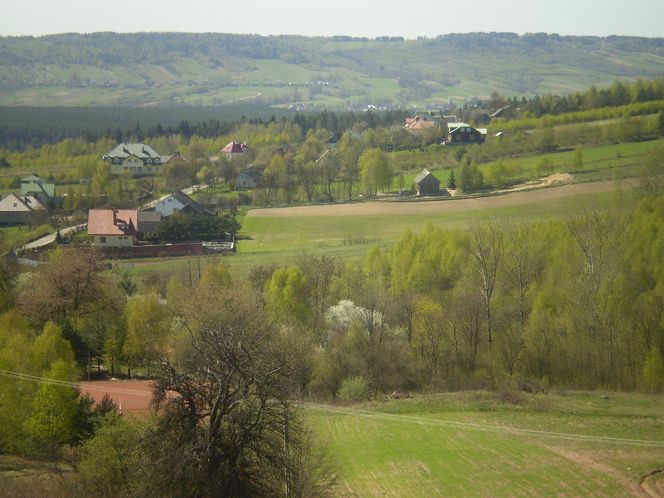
[(30, 412), (653, 371)]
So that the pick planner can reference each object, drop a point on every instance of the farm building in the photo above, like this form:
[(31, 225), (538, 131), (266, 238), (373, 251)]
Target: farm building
[(20, 209), (426, 183), (113, 227), (463, 133), (137, 159)]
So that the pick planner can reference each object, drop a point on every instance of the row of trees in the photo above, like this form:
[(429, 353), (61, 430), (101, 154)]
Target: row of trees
[(620, 93)]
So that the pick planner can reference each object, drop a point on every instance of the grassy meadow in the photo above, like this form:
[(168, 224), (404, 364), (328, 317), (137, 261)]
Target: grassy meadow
[(600, 162), (479, 444), (280, 239)]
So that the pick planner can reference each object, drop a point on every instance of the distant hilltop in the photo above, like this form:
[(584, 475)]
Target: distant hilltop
[(165, 69)]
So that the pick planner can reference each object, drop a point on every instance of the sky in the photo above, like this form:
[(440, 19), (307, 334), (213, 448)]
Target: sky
[(371, 18)]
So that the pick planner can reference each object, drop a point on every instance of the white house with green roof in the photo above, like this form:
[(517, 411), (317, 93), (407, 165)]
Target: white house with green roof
[(136, 159), (34, 184)]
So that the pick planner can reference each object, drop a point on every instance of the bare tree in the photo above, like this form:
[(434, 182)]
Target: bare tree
[(486, 253), (228, 426)]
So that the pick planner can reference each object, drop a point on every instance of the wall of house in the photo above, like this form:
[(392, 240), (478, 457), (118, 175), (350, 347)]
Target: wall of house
[(428, 186), (168, 206), (114, 240), (131, 165)]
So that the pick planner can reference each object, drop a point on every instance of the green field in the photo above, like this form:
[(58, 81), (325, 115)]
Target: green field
[(600, 162), (274, 239), (474, 444)]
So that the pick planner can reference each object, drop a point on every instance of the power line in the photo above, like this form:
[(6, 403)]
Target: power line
[(482, 427), (73, 385)]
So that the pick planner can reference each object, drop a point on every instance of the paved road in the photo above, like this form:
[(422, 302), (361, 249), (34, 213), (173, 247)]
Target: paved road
[(50, 238)]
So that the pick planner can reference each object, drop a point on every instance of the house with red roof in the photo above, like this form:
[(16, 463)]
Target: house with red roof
[(421, 122), (113, 227), (234, 149)]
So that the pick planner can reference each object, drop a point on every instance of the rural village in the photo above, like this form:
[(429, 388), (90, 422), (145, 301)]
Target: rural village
[(248, 265)]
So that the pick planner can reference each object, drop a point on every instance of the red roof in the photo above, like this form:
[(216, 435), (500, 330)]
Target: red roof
[(418, 123), (234, 148), (112, 221)]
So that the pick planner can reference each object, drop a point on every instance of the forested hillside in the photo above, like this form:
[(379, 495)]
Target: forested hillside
[(180, 68)]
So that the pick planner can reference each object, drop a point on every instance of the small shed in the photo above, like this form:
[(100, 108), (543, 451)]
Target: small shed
[(426, 183)]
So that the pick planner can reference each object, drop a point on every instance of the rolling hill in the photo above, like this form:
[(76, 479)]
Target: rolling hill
[(166, 69)]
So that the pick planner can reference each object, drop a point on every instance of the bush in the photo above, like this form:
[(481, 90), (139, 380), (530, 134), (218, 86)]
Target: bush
[(354, 389)]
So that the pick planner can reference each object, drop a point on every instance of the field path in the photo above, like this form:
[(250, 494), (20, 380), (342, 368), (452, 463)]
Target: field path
[(444, 205), (585, 462)]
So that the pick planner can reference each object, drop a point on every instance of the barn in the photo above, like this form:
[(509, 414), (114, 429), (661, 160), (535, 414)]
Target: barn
[(426, 183)]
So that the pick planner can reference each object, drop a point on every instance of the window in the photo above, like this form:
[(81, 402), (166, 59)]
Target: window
[(116, 160), (170, 199), (102, 240)]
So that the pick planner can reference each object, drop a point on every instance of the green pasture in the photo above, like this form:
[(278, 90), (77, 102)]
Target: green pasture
[(274, 239), (471, 444), (277, 234), (601, 162)]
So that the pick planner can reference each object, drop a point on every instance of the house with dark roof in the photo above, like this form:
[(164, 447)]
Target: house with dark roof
[(136, 159), (177, 202), (234, 149), (464, 134), (113, 227), (426, 183), (20, 209), (249, 178)]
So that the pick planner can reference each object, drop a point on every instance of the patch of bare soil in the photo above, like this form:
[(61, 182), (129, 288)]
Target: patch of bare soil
[(549, 181), (445, 205), (653, 483), (130, 395)]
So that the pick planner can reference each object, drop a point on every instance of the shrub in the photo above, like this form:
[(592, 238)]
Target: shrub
[(354, 389)]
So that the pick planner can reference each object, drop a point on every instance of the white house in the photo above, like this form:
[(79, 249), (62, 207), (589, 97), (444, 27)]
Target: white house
[(178, 202), (137, 159)]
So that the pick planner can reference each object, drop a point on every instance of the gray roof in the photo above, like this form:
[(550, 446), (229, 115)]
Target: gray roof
[(149, 216), (142, 151), (13, 202), (423, 175)]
